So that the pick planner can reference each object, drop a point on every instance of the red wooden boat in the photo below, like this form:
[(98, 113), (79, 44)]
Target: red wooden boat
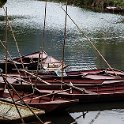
[(96, 76), (45, 64), (47, 103), (79, 77), (55, 82), (29, 61), (89, 94), (93, 97), (109, 88), (98, 72)]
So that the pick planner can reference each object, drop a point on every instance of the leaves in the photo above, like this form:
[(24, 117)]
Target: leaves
[(2, 2)]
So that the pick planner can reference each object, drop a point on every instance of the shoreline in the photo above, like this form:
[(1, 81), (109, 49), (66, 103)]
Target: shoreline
[(116, 7)]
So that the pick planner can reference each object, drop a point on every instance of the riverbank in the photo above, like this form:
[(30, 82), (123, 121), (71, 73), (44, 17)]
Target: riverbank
[(113, 6), (117, 3)]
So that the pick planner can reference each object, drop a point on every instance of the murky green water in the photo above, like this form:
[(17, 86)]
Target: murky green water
[(105, 30)]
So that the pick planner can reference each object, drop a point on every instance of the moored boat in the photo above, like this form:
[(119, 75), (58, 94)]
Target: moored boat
[(47, 103), (9, 113), (114, 9)]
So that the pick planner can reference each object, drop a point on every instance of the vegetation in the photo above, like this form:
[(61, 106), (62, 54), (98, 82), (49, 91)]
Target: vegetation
[(94, 3), (2, 2)]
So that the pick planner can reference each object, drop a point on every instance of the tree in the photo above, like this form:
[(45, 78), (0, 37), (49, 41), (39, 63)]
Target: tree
[(2, 2)]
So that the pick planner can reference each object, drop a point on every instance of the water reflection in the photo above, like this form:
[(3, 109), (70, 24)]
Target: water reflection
[(105, 30), (102, 113), (59, 118)]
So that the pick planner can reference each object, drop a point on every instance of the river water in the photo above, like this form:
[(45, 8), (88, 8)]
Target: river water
[(105, 30)]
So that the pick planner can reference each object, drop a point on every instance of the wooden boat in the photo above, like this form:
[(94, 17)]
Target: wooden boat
[(79, 77), (47, 103), (99, 82), (103, 72), (89, 94), (55, 82), (94, 97), (114, 9), (45, 64), (9, 113), (83, 92), (108, 90), (29, 61)]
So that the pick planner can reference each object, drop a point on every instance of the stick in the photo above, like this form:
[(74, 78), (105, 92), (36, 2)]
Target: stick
[(37, 77)]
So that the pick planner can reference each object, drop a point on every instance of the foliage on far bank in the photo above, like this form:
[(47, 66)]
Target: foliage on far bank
[(2, 2), (94, 3)]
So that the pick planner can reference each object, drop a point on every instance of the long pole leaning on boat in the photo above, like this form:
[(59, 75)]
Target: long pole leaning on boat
[(7, 52), (63, 46), (10, 56), (14, 41), (37, 77), (6, 29), (40, 61), (89, 39), (10, 86), (6, 55)]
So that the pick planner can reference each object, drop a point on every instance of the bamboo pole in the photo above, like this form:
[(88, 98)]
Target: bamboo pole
[(63, 47), (90, 41), (38, 78), (15, 40), (42, 44), (15, 104), (6, 28)]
